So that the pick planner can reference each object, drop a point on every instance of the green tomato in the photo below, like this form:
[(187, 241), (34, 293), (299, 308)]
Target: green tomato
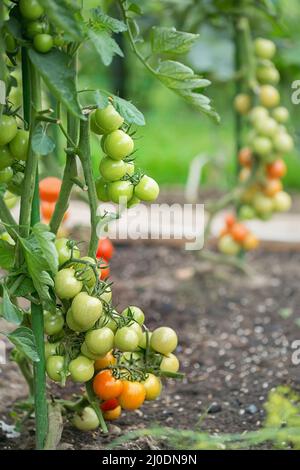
[(269, 96), (137, 329), (120, 190), (247, 213), (73, 325), (94, 126), (51, 349), (64, 252), (6, 174), (53, 322), (106, 295), (268, 74), (126, 339), (143, 340), (258, 113), (43, 43), (31, 9), (8, 129), (108, 322), (262, 204), (66, 284), (10, 199), (86, 309), (85, 272), (86, 352), (129, 168), (36, 27), (112, 170), (130, 357), (262, 146), (282, 202), (6, 158), (164, 340), (81, 369), (118, 145), (10, 44), (281, 115), (147, 189), (169, 363), (264, 48), (108, 119), (102, 189), (137, 314), (99, 341), (267, 127), (18, 146), (228, 246), (55, 367), (86, 420), (283, 143), (242, 103), (133, 202), (15, 185)]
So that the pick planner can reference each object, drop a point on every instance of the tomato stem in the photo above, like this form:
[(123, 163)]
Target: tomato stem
[(94, 402)]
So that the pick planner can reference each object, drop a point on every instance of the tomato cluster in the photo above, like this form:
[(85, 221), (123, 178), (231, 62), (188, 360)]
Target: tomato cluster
[(119, 182), (236, 238), (89, 341)]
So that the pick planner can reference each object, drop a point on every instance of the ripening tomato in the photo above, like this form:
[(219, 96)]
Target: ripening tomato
[(105, 249), (31, 9), (81, 369), (106, 386), (269, 96), (118, 145), (50, 188), (264, 48), (18, 146), (66, 285), (8, 129), (111, 415), (164, 340), (282, 202), (251, 242), (263, 204), (239, 232), (242, 103), (272, 187), (108, 119), (86, 309), (86, 420), (244, 174), (228, 246), (169, 363), (153, 387), (105, 361), (267, 73), (109, 404), (133, 395), (245, 157), (104, 270), (277, 169)]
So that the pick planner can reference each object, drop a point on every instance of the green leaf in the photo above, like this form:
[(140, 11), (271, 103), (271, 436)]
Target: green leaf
[(129, 112), (170, 41), (41, 143), (55, 69), (201, 102), (101, 99), (24, 341), (135, 8), (46, 239), (105, 45), (26, 286), (65, 17), (178, 76), (102, 21), (11, 312), (7, 255)]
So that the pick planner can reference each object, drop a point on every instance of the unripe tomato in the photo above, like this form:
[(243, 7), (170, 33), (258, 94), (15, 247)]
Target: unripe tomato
[(276, 169), (87, 353), (94, 126), (239, 232), (133, 202), (118, 145), (129, 168), (49, 189), (81, 369), (245, 157), (86, 309), (109, 404), (262, 146), (147, 189), (54, 367), (102, 189), (53, 322), (169, 363), (143, 340), (264, 48), (283, 143), (164, 340), (63, 250), (133, 395), (43, 43), (242, 103), (111, 415), (85, 272), (104, 270), (8, 129), (105, 361), (272, 187), (51, 349), (251, 242), (269, 96), (36, 27), (86, 420), (106, 386), (268, 74), (6, 158), (246, 213), (108, 119), (119, 191), (73, 325), (282, 202), (267, 127), (153, 387), (258, 113), (100, 341), (6, 174), (30, 9), (106, 295), (263, 204), (137, 329), (248, 195), (106, 320), (10, 44), (281, 115), (66, 285), (112, 170), (18, 146), (244, 174), (105, 249), (137, 314), (228, 246), (126, 339), (10, 199)]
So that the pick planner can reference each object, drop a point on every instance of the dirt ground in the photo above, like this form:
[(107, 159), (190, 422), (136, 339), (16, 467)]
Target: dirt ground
[(235, 344)]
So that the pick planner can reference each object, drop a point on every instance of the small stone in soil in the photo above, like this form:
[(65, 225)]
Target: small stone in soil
[(214, 408), (251, 409)]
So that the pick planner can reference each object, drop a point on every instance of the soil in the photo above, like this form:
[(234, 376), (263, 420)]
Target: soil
[(235, 342)]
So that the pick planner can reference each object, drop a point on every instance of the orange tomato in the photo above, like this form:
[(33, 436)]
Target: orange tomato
[(245, 157), (239, 232), (272, 187), (224, 232), (109, 404), (133, 395), (105, 361), (106, 386), (276, 169), (251, 242), (230, 220), (105, 271), (50, 188), (111, 415), (47, 209)]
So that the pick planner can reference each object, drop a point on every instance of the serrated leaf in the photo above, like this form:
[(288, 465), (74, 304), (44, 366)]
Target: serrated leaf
[(105, 45), (170, 41), (178, 76), (101, 99), (46, 239), (201, 102), (24, 341), (41, 143), (55, 69), (128, 111), (7, 255), (100, 20), (12, 313), (26, 286), (64, 17)]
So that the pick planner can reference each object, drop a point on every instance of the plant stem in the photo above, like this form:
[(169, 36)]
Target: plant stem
[(238, 89), (7, 218), (85, 157)]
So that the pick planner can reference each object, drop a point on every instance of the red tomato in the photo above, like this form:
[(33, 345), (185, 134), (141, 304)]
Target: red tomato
[(50, 188), (105, 249), (47, 209), (109, 404), (239, 232), (276, 169), (105, 271), (106, 386)]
